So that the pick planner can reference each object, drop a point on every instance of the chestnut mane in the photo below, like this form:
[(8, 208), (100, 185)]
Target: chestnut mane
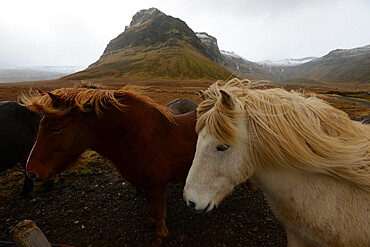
[(85, 100)]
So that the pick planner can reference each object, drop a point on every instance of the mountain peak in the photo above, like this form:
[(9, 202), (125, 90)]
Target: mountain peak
[(144, 15)]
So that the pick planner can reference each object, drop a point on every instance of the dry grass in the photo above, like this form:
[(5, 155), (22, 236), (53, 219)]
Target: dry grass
[(161, 91), (352, 109)]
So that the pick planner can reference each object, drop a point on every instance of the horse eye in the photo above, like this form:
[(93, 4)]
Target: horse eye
[(56, 130), (222, 147)]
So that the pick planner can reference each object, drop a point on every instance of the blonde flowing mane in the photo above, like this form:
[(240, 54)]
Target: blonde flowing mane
[(288, 129), (85, 100)]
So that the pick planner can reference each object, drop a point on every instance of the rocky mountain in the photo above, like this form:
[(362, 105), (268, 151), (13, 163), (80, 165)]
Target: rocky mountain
[(155, 45), (158, 46)]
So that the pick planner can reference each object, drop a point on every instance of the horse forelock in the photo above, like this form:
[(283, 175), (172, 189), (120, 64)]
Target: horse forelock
[(289, 129), (218, 119)]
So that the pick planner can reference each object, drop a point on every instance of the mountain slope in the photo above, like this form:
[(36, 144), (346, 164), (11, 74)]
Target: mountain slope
[(246, 69), (342, 65), (155, 46), (350, 65)]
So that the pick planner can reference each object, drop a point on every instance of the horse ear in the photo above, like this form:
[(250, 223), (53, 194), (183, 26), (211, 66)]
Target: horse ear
[(40, 91), (55, 99), (202, 94), (226, 100)]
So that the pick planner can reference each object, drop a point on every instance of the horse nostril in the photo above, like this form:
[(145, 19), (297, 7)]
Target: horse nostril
[(191, 205), (32, 176)]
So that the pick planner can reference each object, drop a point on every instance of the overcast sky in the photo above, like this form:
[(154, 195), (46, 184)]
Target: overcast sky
[(76, 32)]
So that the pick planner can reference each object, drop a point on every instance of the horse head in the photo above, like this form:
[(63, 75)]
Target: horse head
[(219, 161), (61, 138)]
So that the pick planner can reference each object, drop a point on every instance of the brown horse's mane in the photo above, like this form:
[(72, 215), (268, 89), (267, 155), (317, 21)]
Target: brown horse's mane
[(86, 100)]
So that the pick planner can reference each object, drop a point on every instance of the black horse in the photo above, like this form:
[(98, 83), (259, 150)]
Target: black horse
[(18, 131), (181, 106)]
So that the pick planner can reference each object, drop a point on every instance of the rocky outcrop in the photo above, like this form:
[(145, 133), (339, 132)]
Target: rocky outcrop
[(212, 47), (144, 15)]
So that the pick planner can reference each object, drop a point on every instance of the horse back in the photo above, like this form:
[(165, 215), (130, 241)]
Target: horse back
[(17, 133), (181, 106)]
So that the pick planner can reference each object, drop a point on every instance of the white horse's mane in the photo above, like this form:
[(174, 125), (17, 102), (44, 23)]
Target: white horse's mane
[(289, 130)]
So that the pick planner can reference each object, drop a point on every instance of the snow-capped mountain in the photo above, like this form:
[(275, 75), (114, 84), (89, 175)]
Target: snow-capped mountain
[(350, 52), (287, 62), (231, 54)]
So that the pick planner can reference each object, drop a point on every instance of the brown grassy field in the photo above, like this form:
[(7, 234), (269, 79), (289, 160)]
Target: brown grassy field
[(164, 91)]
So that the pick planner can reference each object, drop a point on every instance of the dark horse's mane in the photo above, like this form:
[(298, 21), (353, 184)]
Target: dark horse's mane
[(85, 100)]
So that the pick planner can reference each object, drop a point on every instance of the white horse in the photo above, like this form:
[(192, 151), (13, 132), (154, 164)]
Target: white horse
[(311, 161)]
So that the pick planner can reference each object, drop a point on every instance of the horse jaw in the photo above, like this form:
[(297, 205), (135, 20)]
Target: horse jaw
[(213, 174)]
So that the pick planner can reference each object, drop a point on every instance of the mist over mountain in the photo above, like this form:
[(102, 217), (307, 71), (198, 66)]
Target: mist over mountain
[(36, 73)]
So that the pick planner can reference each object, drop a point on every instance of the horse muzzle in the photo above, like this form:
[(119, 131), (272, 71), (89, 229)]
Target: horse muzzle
[(39, 177), (33, 176), (193, 206)]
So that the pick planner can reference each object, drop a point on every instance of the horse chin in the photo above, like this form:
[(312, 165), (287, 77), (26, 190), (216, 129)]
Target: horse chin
[(207, 209), (49, 176)]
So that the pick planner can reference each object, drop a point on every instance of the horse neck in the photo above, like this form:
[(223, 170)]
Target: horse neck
[(139, 122), (287, 184)]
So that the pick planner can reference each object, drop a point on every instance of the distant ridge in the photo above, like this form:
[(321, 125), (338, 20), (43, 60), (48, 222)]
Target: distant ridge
[(287, 62), (338, 66), (341, 65)]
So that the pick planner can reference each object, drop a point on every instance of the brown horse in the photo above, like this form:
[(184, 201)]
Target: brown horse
[(149, 146)]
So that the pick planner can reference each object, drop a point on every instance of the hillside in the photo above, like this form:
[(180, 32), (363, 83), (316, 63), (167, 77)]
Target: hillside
[(155, 46), (246, 69), (341, 65)]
